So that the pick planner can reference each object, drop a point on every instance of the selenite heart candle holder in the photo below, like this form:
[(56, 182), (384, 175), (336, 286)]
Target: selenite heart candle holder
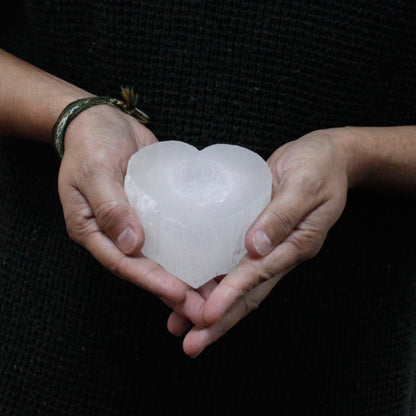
[(196, 206)]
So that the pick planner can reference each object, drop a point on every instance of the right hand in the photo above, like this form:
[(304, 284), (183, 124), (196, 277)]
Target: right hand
[(310, 183), (98, 145)]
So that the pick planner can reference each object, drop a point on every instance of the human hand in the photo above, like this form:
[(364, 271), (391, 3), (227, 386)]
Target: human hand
[(98, 145), (310, 183)]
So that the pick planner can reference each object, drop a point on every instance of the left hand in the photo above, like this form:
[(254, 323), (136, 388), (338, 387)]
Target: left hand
[(98, 145), (310, 184)]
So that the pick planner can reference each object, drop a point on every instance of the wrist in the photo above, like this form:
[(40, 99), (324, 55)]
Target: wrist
[(83, 127), (356, 143), (58, 103), (126, 107)]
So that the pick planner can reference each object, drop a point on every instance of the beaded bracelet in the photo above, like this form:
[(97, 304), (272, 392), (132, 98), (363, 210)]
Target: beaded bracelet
[(126, 104)]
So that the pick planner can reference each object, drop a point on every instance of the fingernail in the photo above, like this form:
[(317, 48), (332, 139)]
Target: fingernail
[(127, 241), (262, 243)]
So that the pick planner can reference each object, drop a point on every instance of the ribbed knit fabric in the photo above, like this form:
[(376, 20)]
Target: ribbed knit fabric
[(337, 336)]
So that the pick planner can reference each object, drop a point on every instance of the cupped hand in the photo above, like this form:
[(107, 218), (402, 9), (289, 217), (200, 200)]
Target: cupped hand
[(98, 145), (310, 184)]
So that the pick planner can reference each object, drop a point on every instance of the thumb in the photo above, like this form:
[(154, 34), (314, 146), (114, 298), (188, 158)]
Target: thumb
[(113, 212), (276, 222)]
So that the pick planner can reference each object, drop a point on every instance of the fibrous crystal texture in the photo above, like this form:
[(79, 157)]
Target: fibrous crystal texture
[(196, 206)]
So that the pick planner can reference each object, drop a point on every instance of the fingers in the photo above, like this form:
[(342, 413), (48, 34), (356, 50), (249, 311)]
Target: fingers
[(97, 215), (112, 211), (177, 322), (241, 291), (98, 146), (197, 339), (103, 193), (289, 206), (249, 274), (137, 269), (146, 274)]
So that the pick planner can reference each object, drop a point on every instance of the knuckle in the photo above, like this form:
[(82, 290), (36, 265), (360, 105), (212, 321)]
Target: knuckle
[(107, 212), (305, 250), (250, 304), (237, 292), (299, 253), (281, 220), (115, 266), (308, 253), (314, 249), (76, 229), (73, 235), (260, 274)]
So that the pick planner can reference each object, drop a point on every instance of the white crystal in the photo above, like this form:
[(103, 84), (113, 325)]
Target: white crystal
[(196, 206)]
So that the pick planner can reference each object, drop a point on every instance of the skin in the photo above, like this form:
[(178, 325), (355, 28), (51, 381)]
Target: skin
[(311, 178)]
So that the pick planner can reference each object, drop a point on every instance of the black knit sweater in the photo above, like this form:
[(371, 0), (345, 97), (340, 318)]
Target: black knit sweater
[(337, 335)]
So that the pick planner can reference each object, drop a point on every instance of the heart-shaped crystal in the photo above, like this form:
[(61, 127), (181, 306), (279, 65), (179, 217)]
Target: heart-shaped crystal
[(196, 206)]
